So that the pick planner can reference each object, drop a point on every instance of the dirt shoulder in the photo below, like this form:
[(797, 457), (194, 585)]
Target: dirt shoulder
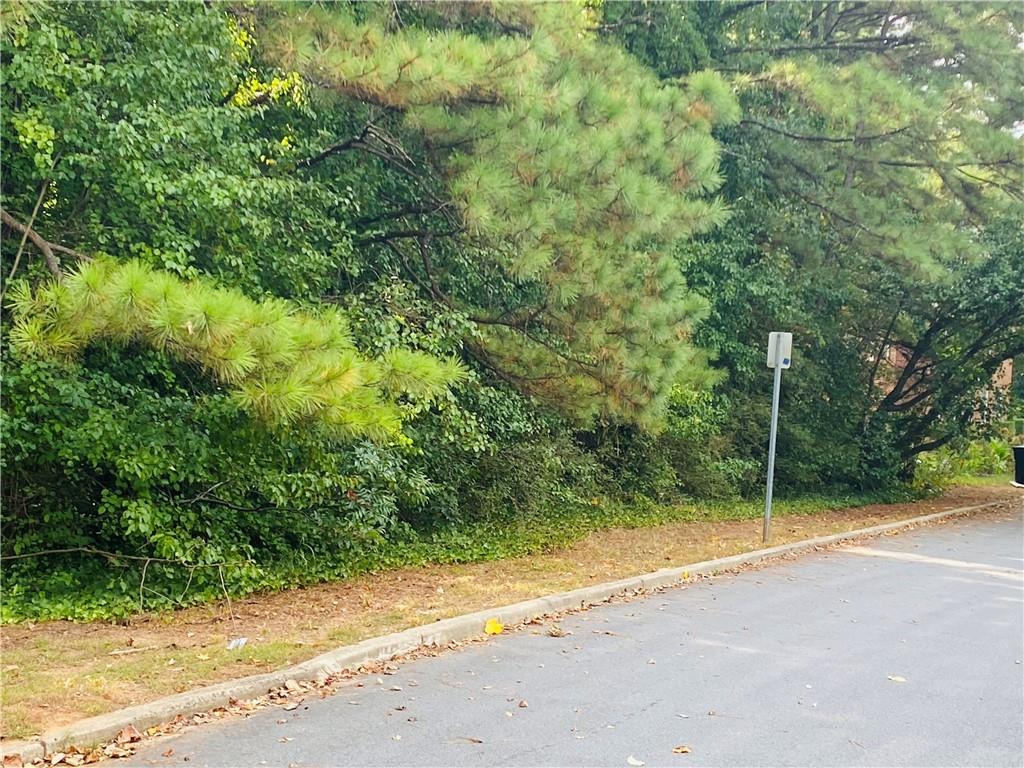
[(56, 672)]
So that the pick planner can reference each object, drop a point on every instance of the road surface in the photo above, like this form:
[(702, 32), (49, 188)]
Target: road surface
[(906, 650)]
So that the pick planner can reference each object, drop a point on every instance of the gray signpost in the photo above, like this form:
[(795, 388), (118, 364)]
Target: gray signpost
[(780, 354)]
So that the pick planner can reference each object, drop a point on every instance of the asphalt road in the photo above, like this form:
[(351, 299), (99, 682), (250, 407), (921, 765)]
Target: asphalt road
[(906, 651)]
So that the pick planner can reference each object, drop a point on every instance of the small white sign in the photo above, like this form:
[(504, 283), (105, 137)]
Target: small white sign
[(780, 349)]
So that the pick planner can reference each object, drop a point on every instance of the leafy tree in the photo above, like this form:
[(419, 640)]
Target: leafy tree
[(207, 433), (876, 153), (148, 131)]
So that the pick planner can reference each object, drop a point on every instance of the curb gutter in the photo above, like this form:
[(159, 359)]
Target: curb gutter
[(101, 728)]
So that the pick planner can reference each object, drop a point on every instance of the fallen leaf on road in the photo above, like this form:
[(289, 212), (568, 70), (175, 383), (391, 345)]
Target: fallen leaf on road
[(57, 757), (897, 678), (291, 706), (523, 704), (12, 761), (168, 753), (493, 627), (112, 750), (471, 740), (128, 734), (556, 631), (634, 762), (285, 739), (682, 749)]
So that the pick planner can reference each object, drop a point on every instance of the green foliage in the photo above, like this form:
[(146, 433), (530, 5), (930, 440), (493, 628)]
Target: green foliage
[(133, 464), (938, 469), (572, 159), (439, 282), (235, 509), (877, 190), (280, 364), (690, 457), (148, 132)]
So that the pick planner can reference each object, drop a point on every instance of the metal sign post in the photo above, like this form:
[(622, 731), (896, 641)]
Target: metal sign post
[(780, 353)]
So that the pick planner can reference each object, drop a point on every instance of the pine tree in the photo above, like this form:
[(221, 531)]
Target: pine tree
[(573, 170)]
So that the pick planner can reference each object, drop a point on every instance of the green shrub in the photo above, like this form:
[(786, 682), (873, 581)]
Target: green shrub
[(936, 470), (119, 456)]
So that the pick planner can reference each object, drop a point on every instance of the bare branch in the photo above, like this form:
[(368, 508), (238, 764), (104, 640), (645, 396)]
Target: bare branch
[(44, 246), (828, 139)]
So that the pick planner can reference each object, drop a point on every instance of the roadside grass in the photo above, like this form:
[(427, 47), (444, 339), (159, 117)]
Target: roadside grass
[(1001, 479), (56, 672)]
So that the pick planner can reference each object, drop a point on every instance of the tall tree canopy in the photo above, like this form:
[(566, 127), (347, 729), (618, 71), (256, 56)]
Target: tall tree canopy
[(564, 166), (284, 284), (877, 171)]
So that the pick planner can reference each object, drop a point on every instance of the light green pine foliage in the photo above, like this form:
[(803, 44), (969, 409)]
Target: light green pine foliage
[(566, 151), (280, 364)]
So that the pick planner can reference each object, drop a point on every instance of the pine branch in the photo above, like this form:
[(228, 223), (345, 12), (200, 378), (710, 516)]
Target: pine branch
[(405, 234), (401, 213), (334, 149), (921, 164), (876, 44), (24, 236), (931, 445), (827, 139)]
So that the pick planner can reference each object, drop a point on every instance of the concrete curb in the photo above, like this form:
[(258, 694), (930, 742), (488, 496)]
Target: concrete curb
[(95, 730)]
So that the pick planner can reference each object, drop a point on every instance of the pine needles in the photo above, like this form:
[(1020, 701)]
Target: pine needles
[(280, 364), (565, 149)]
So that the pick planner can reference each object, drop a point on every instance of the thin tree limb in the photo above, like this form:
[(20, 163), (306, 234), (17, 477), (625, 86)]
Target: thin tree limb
[(827, 139), (24, 234), (44, 246)]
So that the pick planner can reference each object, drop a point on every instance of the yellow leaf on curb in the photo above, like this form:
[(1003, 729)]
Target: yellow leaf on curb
[(493, 627), (682, 749)]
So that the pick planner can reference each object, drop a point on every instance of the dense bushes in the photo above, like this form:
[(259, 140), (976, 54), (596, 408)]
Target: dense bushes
[(119, 456)]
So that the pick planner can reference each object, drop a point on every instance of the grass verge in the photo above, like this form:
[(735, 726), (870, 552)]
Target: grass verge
[(57, 672)]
